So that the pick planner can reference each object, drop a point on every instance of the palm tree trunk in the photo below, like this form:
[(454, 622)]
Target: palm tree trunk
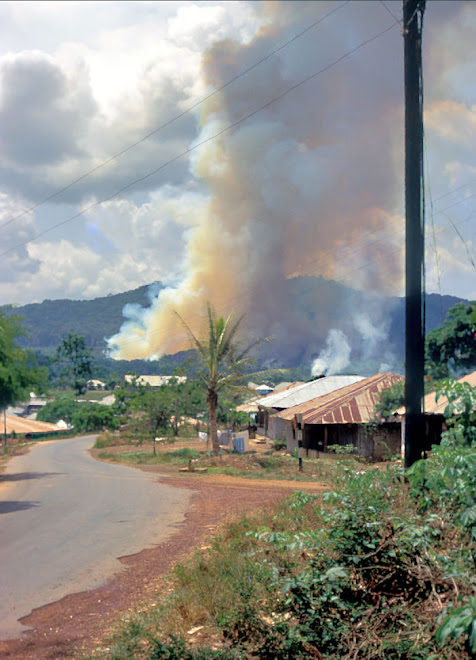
[(212, 414)]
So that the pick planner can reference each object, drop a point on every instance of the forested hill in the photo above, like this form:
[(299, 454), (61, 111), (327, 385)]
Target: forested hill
[(325, 303), (48, 322)]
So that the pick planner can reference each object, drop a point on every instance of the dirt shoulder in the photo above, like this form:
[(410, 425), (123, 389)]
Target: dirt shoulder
[(74, 626)]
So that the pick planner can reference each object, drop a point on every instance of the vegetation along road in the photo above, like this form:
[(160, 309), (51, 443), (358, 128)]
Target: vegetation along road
[(65, 518)]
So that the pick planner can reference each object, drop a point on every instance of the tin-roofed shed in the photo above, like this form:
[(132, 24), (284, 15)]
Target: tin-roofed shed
[(271, 425), (339, 418)]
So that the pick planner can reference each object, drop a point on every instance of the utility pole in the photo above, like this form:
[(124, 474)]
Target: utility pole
[(413, 11)]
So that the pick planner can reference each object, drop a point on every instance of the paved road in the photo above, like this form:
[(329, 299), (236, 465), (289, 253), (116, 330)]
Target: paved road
[(65, 518)]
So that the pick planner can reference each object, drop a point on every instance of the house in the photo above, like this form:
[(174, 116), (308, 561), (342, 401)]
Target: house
[(435, 422), (263, 390), (95, 384), (28, 409), (339, 418), (153, 381), (272, 426), (251, 407), (28, 427)]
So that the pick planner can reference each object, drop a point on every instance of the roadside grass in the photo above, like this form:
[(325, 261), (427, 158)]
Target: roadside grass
[(247, 466), (269, 465), (178, 457), (381, 566)]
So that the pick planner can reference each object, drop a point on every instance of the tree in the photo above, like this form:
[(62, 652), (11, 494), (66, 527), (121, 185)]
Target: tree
[(452, 346), (94, 416), (63, 408), (390, 400), (19, 373), (460, 413), (77, 359), (393, 398), (223, 355), (155, 408)]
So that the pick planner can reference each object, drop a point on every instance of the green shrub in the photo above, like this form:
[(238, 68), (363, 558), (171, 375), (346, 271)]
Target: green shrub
[(93, 416), (64, 407), (279, 444)]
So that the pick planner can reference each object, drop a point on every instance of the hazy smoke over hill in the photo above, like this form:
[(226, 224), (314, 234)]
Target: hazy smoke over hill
[(297, 189)]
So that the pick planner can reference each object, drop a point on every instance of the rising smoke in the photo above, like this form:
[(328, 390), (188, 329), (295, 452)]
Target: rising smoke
[(298, 189), (335, 357)]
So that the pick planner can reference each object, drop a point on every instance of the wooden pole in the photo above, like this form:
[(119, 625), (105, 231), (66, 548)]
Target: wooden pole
[(414, 226)]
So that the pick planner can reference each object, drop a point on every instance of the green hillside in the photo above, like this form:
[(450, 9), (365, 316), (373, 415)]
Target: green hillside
[(319, 303)]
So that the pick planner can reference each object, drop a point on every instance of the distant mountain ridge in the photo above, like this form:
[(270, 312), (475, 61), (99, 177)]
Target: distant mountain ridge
[(49, 321), (322, 302)]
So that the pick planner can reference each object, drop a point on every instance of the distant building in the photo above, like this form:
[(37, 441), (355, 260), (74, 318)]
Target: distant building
[(29, 427), (263, 390), (94, 384), (153, 381), (28, 409)]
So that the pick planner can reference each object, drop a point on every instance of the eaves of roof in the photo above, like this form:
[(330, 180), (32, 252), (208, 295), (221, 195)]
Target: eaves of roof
[(353, 404)]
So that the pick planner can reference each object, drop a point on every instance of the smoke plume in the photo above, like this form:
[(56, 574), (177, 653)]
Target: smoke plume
[(298, 189), (335, 357)]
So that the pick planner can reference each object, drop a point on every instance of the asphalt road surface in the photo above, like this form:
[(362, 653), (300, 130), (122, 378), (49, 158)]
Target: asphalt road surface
[(64, 520)]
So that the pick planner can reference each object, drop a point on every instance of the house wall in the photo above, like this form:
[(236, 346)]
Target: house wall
[(276, 428), (262, 421), (383, 443), (434, 427)]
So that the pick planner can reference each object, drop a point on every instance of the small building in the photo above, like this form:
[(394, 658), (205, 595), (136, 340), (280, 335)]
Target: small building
[(95, 384), (153, 381), (29, 427), (28, 409), (271, 425), (340, 418), (435, 422), (263, 390)]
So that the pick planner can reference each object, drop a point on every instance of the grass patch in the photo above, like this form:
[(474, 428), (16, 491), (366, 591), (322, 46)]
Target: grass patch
[(247, 466), (178, 457)]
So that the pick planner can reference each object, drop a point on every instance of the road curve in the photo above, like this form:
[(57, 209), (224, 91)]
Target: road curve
[(64, 520)]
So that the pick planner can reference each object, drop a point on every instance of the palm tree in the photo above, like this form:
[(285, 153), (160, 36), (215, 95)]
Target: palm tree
[(222, 354)]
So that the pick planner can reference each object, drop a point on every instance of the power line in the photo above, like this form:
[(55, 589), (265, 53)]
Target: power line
[(465, 243), (176, 118), (399, 20), (199, 144)]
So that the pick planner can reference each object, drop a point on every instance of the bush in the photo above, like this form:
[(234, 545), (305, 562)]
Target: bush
[(279, 444), (94, 416), (64, 407)]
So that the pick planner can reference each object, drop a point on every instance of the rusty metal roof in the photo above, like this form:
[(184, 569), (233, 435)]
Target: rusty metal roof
[(22, 425), (433, 407), (353, 404)]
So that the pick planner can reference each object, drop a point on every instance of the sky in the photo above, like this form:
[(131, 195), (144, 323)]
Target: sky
[(223, 147)]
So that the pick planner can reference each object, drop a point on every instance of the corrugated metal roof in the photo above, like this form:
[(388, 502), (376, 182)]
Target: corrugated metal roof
[(353, 404), (22, 425), (434, 407), (298, 394), (252, 406)]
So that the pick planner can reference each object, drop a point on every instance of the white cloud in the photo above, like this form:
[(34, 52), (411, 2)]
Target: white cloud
[(79, 82)]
